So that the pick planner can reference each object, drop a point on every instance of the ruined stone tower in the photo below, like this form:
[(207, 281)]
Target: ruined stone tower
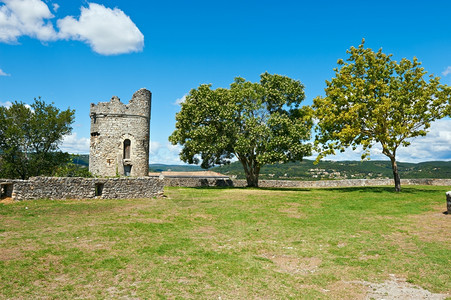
[(120, 136)]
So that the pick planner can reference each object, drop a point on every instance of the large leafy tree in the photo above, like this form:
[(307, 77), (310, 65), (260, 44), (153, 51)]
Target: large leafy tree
[(29, 138), (373, 99), (257, 123)]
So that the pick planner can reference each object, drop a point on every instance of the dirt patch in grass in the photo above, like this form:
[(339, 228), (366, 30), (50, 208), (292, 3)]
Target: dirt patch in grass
[(91, 245), (345, 290), (398, 288), (10, 254), (292, 212), (432, 226), (205, 229), (294, 265), (202, 216), (7, 200)]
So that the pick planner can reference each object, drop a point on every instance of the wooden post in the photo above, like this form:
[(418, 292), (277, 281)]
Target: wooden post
[(448, 202)]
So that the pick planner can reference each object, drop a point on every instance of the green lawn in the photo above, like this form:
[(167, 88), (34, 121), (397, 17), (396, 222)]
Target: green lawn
[(226, 243)]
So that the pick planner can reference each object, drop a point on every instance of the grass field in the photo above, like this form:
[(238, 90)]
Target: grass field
[(227, 244)]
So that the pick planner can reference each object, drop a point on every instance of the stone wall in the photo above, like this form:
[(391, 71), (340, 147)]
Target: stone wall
[(199, 182), (115, 125), (149, 187), (86, 188)]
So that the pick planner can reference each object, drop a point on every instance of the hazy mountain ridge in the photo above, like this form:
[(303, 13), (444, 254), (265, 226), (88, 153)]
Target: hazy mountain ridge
[(306, 170), (174, 168), (324, 170)]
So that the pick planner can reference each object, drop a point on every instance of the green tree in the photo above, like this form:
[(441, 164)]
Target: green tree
[(29, 138), (72, 170), (373, 99), (258, 123)]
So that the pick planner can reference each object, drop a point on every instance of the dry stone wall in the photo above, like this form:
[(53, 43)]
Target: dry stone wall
[(120, 136), (199, 182), (86, 188), (149, 187)]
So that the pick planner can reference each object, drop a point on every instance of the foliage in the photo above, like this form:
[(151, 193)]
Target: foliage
[(258, 123), (72, 170), (233, 243), (29, 138), (373, 99)]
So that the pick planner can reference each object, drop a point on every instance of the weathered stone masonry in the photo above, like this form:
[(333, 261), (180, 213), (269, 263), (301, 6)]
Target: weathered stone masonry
[(120, 136), (84, 188), (149, 187), (204, 182)]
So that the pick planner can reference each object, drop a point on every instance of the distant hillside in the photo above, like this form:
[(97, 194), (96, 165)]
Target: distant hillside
[(324, 170), (174, 168), (80, 159), (83, 160)]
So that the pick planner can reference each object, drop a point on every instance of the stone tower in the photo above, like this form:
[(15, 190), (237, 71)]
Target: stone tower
[(120, 136)]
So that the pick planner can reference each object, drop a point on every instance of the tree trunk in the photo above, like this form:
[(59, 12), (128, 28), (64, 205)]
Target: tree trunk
[(252, 179), (395, 174), (251, 170)]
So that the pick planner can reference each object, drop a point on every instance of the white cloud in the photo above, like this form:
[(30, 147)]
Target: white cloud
[(433, 146), (73, 144), (166, 154), (6, 104), (25, 17), (447, 71), (29, 107), (2, 73), (108, 31), (155, 147), (174, 148), (179, 101)]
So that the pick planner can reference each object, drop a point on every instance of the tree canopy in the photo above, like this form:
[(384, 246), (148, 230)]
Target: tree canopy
[(373, 99), (29, 138), (257, 123)]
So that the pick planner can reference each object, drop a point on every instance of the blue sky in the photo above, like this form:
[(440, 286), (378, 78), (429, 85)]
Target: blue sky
[(74, 52)]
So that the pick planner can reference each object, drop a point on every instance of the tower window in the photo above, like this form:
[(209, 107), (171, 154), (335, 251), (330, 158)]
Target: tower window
[(127, 149), (127, 170)]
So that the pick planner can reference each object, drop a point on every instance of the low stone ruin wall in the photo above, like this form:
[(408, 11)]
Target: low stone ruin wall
[(149, 187), (84, 188), (351, 183), (197, 182), (200, 182)]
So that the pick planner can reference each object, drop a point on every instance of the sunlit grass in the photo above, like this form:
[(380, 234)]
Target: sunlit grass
[(228, 243)]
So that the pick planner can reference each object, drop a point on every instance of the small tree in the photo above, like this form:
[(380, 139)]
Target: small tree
[(258, 123), (29, 138), (373, 99)]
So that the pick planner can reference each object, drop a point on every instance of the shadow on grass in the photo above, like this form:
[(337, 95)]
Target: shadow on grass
[(381, 189), (361, 189)]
